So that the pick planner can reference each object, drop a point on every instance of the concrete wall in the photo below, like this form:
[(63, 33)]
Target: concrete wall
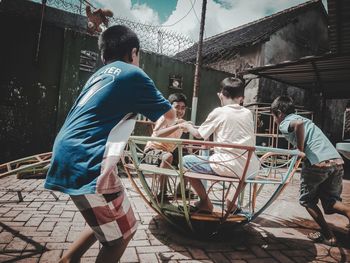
[(160, 68), (334, 119), (38, 89), (306, 35), (246, 58)]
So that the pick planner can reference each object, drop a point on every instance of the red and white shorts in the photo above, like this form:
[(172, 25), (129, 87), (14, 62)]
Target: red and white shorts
[(109, 215)]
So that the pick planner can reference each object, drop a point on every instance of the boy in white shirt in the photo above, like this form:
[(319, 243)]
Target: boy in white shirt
[(230, 123)]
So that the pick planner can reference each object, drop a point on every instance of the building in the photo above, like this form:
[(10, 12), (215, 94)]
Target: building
[(287, 35)]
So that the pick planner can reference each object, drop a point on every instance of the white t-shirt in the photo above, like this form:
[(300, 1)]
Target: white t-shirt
[(230, 124)]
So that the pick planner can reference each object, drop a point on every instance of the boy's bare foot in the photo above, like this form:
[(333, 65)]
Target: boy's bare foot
[(318, 237)]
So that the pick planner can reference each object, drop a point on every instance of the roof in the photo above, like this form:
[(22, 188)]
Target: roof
[(339, 25), (329, 74), (249, 34)]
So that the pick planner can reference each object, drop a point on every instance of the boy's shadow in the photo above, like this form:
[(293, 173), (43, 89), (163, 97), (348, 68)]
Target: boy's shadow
[(263, 238)]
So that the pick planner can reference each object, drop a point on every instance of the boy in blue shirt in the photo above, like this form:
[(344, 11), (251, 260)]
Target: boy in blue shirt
[(322, 172), (92, 139)]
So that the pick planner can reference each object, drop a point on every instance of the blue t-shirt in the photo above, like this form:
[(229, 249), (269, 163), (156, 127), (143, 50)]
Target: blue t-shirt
[(317, 147), (114, 91)]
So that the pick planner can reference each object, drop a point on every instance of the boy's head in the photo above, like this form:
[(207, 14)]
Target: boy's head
[(179, 102), (281, 107), (232, 88), (119, 43)]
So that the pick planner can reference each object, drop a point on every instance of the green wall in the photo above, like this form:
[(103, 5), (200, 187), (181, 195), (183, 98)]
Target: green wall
[(160, 68), (37, 89)]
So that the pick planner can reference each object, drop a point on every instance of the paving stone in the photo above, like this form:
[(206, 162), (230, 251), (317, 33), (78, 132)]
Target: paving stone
[(4, 210), (152, 249), (258, 251), (56, 210), (130, 255), (92, 252), (196, 261), (198, 253), (262, 260), (50, 256), (13, 213), (276, 236), (6, 237), (22, 217), (16, 244), (35, 204), (164, 256), (148, 258), (240, 255), (88, 260), (46, 226), (45, 207), (73, 235), (34, 221), (69, 214), (27, 260), (138, 243), (280, 257), (218, 258), (55, 245)]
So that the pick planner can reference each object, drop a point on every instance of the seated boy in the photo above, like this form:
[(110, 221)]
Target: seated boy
[(160, 153), (322, 172), (230, 123)]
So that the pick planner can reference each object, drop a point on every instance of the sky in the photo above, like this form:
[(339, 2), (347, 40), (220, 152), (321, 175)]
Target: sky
[(183, 16)]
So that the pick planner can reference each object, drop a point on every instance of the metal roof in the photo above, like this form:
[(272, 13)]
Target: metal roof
[(329, 74)]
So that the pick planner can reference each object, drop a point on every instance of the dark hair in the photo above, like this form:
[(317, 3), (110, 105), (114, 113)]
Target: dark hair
[(284, 104), (177, 97), (116, 42), (232, 87)]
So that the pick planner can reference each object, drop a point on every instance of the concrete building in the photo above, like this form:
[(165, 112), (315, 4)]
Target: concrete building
[(287, 35)]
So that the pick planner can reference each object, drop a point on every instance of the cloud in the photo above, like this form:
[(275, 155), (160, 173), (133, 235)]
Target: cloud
[(138, 12), (223, 15)]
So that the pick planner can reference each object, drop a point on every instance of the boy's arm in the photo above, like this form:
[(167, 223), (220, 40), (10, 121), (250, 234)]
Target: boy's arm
[(298, 127), (189, 127), (170, 116), (158, 132)]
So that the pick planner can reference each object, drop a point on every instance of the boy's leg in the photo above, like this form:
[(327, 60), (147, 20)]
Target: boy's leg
[(317, 215), (113, 253), (80, 246), (331, 191), (342, 209), (199, 164), (319, 183), (167, 159), (111, 220), (204, 202)]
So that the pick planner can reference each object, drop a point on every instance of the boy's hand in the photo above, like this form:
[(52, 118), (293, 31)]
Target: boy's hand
[(178, 121), (185, 126)]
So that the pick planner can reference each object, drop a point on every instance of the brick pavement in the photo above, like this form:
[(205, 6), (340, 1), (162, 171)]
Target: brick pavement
[(40, 228)]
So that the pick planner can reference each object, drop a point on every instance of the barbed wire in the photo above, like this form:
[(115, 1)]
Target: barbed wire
[(153, 38)]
